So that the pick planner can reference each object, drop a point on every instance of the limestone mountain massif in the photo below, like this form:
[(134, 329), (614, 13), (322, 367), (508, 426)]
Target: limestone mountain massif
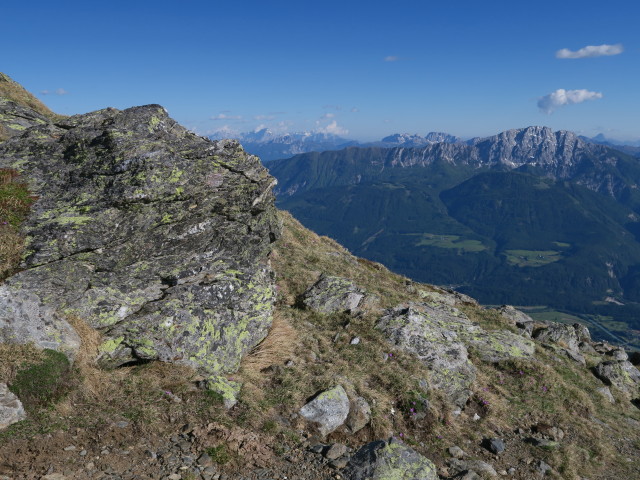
[(212, 336)]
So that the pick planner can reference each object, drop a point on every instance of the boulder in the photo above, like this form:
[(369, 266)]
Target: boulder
[(559, 334), (517, 318), (483, 468), (332, 294), (441, 335), (15, 119), (153, 235), (430, 333), (621, 374), (11, 409), (328, 410), (380, 460)]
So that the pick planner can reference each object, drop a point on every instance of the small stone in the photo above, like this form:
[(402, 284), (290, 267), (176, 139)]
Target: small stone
[(289, 363), (495, 445), (174, 476), (355, 341), (456, 452), (205, 460), (90, 466), (122, 424), (359, 414), (335, 451), (70, 448), (317, 448), (543, 467), (476, 417), (104, 452), (83, 453), (54, 476), (150, 454), (11, 409), (470, 475), (503, 473), (339, 463), (511, 471)]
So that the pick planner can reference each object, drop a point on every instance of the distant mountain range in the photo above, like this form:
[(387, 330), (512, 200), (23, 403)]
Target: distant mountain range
[(529, 216), (272, 146)]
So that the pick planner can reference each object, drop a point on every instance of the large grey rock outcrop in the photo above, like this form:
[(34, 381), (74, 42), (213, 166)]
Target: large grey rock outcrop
[(517, 318), (328, 410), (15, 119), (153, 235), (430, 334), (11, 409), (559, 333), (392, 460), (441, 337), (333, 294), (621, 374)]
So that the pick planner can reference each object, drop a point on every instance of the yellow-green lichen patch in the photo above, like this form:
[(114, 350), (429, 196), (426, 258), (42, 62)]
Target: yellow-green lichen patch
[(110, 345)]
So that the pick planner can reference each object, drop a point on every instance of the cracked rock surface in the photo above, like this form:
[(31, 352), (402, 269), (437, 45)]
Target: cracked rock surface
[(151, 234)]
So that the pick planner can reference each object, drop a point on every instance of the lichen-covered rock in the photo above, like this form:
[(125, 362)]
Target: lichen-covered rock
[(328, 410), (430, 334), (621, 374), (440, 335), (11, 409), (517, 318), (153, 235), (392, 460), (560, 334), (333, 294), (498, 345), (15, 119)]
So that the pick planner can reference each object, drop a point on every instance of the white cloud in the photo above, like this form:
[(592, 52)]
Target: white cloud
[(355, 109), (549, 103), (333, 128), (264, 117), (224, 116), (57, 91), (591, 51), (391, 58), (327, 115)]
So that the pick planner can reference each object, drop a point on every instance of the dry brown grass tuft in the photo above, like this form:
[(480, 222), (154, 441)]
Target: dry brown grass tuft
[(277, 347), (14, 356)]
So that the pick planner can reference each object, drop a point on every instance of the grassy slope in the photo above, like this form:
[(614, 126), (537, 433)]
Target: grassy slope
[(317, 352)]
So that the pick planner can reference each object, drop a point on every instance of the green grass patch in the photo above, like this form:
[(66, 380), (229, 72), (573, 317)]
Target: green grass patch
[(532, 258), (43, 383), (219, 454), (450, 241)]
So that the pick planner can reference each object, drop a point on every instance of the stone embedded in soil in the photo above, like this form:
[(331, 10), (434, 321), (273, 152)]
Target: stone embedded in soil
[(389, 460), (328, 410), (11, 409), (495, 445), (333, 294)]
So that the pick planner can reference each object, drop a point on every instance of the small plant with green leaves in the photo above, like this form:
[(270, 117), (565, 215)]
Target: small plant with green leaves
[(41, 384), (219, 454)]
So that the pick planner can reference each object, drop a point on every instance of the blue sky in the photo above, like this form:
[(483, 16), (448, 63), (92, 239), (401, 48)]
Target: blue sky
[(363, 69)]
